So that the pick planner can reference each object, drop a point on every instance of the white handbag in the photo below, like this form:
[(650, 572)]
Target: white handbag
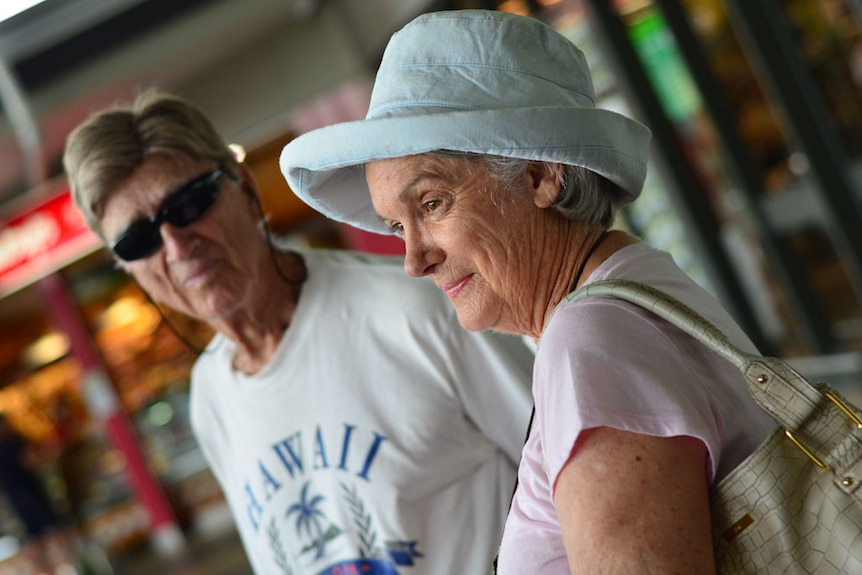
[(795, 504)]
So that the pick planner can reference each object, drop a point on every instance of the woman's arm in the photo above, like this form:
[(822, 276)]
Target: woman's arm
[(632, 503)]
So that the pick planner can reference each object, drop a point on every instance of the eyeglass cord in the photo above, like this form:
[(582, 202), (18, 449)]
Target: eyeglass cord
[(273, 255)]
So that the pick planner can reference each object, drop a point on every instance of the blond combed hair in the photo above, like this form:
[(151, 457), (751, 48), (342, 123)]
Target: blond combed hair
[(103, 151)]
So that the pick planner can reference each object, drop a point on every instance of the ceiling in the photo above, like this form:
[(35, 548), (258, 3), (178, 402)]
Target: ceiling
[(62, 59)]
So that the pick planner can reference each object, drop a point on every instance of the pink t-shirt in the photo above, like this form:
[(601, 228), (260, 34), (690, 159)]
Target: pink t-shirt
[(606, 362)]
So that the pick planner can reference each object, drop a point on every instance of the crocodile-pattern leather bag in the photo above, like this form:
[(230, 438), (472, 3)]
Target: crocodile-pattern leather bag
[(795, 504)]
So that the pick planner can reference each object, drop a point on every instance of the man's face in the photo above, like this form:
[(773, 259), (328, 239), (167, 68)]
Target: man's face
[(203, 267)]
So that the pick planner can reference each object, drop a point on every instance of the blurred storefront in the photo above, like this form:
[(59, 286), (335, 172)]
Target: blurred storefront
[(756, 113), (146, 351)]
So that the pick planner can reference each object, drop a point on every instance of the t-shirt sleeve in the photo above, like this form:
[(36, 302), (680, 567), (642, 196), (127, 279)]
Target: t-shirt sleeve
[(606, 363)]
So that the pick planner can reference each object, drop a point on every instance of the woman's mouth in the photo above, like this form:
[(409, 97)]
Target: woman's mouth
[(454, 288)]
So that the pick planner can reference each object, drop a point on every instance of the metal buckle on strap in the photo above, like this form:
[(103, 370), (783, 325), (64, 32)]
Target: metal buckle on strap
[(851, 415)]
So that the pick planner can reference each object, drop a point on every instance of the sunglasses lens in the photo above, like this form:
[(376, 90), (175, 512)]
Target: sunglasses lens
[(139, 241), (183, 208), (187, 206)]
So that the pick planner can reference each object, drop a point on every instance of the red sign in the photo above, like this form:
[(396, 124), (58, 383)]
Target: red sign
[(41, 240)]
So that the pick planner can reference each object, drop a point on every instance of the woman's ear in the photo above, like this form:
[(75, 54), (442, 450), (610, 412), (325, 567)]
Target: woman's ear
[(545, 180)]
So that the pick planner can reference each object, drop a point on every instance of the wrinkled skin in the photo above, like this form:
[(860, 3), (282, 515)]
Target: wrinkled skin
[(218, 269), (500, 256)]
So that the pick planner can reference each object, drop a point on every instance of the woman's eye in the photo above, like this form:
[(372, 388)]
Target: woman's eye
[(431, 205)]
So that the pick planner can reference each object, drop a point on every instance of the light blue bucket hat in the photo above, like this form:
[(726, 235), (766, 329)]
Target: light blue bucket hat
[(478, 81)]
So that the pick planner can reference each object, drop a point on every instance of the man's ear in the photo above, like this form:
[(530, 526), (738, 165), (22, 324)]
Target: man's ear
[(247, 181), (249, 187), (545, 181)]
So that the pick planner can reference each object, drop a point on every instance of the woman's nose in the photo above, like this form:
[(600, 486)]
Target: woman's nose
[(420, 257)]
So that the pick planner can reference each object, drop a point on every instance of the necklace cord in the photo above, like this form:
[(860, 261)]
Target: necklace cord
[(583, 265)]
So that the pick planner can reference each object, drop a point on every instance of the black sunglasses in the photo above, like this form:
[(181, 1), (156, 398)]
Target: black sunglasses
[(183, 207)]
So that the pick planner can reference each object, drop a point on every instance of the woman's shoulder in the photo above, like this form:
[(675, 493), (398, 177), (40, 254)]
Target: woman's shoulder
[(617, 322), (636, 260)]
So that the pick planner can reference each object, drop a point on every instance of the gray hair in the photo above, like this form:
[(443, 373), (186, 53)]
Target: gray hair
[(584, 195)]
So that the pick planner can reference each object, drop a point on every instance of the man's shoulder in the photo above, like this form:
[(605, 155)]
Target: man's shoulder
[(353, 258), (375, 275)]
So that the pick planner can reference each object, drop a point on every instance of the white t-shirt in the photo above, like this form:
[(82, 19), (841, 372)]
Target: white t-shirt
[(606, 362), (381, 438)]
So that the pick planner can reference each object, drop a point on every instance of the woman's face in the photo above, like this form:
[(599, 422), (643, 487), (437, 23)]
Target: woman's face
[(205, 269), (466, 232)]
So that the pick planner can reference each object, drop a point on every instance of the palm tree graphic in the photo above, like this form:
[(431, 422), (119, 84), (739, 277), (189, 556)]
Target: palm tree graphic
[(309, 518)]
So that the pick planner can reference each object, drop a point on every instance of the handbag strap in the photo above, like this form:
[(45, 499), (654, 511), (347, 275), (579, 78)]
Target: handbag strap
[(776, 387)]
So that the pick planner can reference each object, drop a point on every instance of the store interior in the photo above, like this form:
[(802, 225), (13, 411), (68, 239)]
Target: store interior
[(148, 351)]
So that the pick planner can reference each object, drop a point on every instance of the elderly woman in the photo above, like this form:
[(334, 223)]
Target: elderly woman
[(353, 425), (484, 151)]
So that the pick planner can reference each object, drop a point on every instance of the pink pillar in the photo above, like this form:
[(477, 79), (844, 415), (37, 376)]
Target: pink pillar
[(103, 403)]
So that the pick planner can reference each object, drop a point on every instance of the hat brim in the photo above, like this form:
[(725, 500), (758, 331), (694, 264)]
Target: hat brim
[(324, 167)]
